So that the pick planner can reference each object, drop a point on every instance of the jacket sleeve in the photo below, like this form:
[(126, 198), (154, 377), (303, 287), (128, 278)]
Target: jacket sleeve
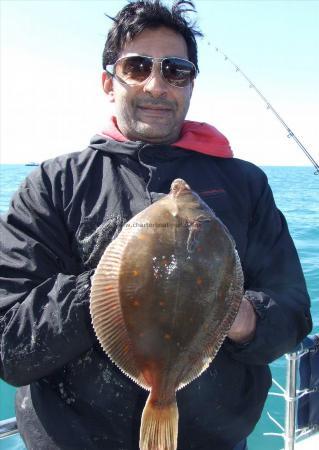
[(274, 285), (44, 300)]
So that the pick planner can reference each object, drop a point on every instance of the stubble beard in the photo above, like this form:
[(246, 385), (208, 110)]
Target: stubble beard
[(156, 130)]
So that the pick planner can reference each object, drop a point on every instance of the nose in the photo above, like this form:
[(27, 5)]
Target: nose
[(155, 85)]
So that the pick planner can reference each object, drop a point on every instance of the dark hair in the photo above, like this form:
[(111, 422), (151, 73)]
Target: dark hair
[(144, 14)]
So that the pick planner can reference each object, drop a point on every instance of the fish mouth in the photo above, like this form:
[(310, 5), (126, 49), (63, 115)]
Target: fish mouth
[(179, 187)]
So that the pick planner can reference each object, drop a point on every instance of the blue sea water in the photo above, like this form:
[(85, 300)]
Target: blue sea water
[(296, 191)]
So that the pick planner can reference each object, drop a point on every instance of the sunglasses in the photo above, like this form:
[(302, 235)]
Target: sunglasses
[(136, 69)]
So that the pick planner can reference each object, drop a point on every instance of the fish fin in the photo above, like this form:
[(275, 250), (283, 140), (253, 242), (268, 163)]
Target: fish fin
[(159, 426), (106, 313)]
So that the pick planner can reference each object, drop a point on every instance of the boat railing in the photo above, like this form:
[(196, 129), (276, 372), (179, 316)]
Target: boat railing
[(8, 427), (301, 405)]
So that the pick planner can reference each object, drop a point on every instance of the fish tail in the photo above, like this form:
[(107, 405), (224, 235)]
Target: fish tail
[(159, 425)]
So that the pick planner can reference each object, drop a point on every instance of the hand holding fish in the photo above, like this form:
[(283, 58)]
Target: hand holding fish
[(244, 325)]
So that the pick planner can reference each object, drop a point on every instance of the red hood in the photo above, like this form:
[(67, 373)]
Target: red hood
[(197, 136)]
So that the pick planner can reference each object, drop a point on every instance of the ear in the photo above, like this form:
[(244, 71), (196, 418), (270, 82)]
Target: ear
[(107, 83)]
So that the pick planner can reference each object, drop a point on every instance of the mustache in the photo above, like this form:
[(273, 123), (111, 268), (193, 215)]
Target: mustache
[(157, 103)]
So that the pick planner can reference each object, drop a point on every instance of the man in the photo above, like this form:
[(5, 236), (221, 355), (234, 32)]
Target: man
[(64, 215)]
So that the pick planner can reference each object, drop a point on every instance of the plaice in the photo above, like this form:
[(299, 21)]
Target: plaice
[(163, 297)]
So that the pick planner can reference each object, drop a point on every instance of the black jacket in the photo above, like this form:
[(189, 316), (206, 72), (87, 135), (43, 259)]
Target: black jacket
[(58, 225)]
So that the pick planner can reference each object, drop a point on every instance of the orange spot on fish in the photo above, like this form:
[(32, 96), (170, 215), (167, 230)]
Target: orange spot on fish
[(167, 336), (135, 303), (162, 303), (199, 280), (135, 273)]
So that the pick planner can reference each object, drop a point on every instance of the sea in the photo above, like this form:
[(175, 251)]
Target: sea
[(296, 191)]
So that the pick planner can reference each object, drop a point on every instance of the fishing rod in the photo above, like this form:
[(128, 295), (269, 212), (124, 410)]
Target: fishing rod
[(291, 134)]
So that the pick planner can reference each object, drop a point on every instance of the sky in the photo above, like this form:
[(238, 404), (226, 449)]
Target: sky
[(52, 100)]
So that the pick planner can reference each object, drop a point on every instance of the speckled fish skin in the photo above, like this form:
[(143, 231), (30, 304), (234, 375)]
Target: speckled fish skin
[(164, 296)]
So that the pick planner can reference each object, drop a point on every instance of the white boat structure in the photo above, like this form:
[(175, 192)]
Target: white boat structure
[(301, 428)]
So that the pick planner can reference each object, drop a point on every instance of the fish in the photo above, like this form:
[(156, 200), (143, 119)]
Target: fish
[(163, 297)]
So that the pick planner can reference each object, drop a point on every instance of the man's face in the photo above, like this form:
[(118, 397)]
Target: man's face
[(153, 111)]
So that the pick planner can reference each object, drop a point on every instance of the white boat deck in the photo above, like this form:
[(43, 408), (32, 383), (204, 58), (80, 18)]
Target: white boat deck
[(309, 443)]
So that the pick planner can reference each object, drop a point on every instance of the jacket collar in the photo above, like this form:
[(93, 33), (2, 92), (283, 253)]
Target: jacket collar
[(196, 136)]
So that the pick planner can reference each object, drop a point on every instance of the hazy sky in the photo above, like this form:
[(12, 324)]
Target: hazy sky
[(51, 96)]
